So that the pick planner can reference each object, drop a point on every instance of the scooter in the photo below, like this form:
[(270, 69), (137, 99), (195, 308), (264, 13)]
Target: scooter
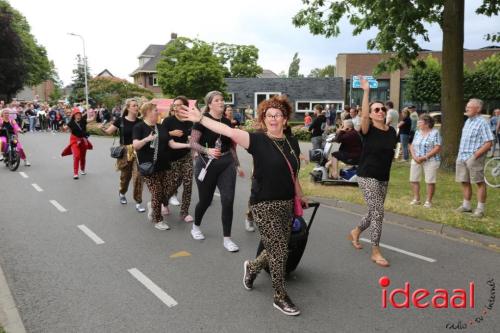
[(11, 156), (320, 173)]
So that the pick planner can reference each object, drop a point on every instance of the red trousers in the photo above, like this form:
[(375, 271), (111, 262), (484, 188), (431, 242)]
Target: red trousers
[(79, 152)]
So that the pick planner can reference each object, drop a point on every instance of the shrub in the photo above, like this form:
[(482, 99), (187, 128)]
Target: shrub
[(301, 134)]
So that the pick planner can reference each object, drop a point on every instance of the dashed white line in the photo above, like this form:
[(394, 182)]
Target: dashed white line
[(38, 188), (90, 234), (408, 253), (23, 174), (217, 194), (151, 286), (58, 206)]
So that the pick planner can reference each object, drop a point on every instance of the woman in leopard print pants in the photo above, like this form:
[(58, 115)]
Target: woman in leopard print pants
[(276, 163)]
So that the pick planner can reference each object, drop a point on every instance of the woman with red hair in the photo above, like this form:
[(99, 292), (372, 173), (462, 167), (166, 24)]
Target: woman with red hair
[(274, 186), (78, 141)]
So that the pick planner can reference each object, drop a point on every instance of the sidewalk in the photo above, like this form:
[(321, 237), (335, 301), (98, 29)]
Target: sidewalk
[(9, 315), (443, 230)]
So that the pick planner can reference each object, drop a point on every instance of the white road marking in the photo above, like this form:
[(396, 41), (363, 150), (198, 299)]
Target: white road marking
[(91, 234), (217, 194), (411, 254), (23, 174), (38, 188), (151, 286), (58, 206)]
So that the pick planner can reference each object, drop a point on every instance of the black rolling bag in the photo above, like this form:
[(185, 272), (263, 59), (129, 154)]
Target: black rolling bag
[(298, 241)]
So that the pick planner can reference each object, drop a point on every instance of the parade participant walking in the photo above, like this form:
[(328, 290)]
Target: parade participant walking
[(152, 146), (78, 142), (215, 166), (7, 126), (127, 164), (181, 161), (425, 150), (273, 189), (379, 141)]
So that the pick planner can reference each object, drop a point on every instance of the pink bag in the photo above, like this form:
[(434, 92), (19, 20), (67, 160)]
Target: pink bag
[(297, 203)]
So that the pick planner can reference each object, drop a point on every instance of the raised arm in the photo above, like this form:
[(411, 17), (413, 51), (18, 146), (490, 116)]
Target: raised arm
[(365, 106), (240, 137), (178, 145)]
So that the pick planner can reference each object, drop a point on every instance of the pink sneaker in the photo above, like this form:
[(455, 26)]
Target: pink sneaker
[(188, 219)]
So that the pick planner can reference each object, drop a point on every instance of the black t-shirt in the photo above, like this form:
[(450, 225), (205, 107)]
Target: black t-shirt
[(317, 126), (271, 178), (126, 131), (146, 153), (208, 137), (6, 129), (377, 154), (406, 128), (172, 124), (79, 129)]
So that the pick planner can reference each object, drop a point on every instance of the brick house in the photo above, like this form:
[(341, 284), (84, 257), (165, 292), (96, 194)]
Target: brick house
[(391, 85)]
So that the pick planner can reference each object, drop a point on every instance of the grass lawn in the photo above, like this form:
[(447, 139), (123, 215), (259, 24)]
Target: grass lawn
[(448, 197)]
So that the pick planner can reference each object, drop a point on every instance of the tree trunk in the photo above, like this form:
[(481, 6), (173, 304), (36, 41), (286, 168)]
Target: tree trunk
[(452, 90)]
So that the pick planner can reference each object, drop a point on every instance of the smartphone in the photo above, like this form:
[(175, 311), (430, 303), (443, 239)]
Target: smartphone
[(356, 83)]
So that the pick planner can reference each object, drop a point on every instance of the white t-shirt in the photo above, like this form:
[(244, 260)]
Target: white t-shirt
[(394, 115)]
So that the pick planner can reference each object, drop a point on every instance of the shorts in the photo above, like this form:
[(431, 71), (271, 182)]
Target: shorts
[(344, 157), (430, 169), (470, 171)]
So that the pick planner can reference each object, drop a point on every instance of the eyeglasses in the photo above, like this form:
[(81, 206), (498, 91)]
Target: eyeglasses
[(377, 110), (274, 116)]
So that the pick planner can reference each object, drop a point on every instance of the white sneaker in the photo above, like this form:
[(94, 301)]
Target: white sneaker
[(414, 202), (174, 201), (27, 163), (197, 234), (230, 245), (83, 173), (427, 204), (249, 226), (139, 208), (150, 211), (161, 226)]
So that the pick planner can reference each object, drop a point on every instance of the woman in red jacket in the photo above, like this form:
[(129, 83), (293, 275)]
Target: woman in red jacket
[(78, 142)]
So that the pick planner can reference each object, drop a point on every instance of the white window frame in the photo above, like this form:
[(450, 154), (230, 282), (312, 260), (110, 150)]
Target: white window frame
[(230, 101), (155, 80), (313, 102), (267, 93)]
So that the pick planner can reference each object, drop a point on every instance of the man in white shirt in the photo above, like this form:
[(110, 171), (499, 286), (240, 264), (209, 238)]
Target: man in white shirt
[(392, 118), (356, 120)]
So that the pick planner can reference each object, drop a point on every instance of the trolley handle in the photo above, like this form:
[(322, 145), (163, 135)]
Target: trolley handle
[(314, 205)]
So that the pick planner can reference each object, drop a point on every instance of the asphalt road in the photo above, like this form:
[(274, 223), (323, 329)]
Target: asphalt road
[(63, 281)]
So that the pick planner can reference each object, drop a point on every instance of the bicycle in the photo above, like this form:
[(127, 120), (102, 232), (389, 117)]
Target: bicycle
[(492, 172)]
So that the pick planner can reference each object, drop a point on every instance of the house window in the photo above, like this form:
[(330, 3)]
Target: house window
[(308, 105), (155, 80), (262, 96), (229, 99)]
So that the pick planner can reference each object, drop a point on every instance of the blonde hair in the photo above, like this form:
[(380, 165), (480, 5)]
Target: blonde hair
[(146, 108)]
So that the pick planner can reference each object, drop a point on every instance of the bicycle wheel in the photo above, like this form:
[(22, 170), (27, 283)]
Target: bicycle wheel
[(15, 159), (492, 172)]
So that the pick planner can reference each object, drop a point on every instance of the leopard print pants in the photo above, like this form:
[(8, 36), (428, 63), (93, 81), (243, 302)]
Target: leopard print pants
[(128, 172), (161, 185), (182, 171), (374, 192), (273, 218)]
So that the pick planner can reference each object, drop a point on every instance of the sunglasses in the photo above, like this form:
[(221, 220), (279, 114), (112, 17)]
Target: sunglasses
[(377, 110)]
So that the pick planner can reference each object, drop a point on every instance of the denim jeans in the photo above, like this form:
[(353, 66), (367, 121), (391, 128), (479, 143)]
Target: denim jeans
[(32, 121), (405, 139)]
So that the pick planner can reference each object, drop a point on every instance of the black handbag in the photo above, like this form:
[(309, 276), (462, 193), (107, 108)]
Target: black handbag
[(117, 151), (148, 168)]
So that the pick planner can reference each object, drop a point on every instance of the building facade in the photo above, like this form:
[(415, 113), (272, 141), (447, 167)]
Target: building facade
[(391, 85)]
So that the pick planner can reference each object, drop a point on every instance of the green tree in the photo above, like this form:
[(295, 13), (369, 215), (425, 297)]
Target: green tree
[(483, 81), (238, 60), (398, 36), (293, 70), (112, 91), (327, 71), (31, 64), (78, 86), (423, 85), (189, 67)]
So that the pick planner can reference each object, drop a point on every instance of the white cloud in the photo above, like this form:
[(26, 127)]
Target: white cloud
[(116, 32)]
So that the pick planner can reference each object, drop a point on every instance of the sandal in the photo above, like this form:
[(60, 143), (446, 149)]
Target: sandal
[(382, 262), (355, 243)]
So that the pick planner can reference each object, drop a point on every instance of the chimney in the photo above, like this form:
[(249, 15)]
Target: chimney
[(173, 35)]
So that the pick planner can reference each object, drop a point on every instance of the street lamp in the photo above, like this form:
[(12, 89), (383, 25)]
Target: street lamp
[(85, 68)]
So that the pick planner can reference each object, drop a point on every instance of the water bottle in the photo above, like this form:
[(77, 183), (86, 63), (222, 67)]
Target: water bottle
[(218, 144)]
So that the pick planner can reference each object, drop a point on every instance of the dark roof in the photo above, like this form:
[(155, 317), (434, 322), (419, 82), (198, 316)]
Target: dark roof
[(267, 73), (103, 72), (153, 52)]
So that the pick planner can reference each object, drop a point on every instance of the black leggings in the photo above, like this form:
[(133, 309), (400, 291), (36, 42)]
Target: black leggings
[(221, 174)]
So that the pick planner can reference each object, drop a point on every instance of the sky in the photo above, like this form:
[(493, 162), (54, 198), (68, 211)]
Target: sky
[(116, 32)]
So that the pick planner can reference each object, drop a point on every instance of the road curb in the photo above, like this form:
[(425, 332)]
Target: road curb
[(450, 232), (9, 314)]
